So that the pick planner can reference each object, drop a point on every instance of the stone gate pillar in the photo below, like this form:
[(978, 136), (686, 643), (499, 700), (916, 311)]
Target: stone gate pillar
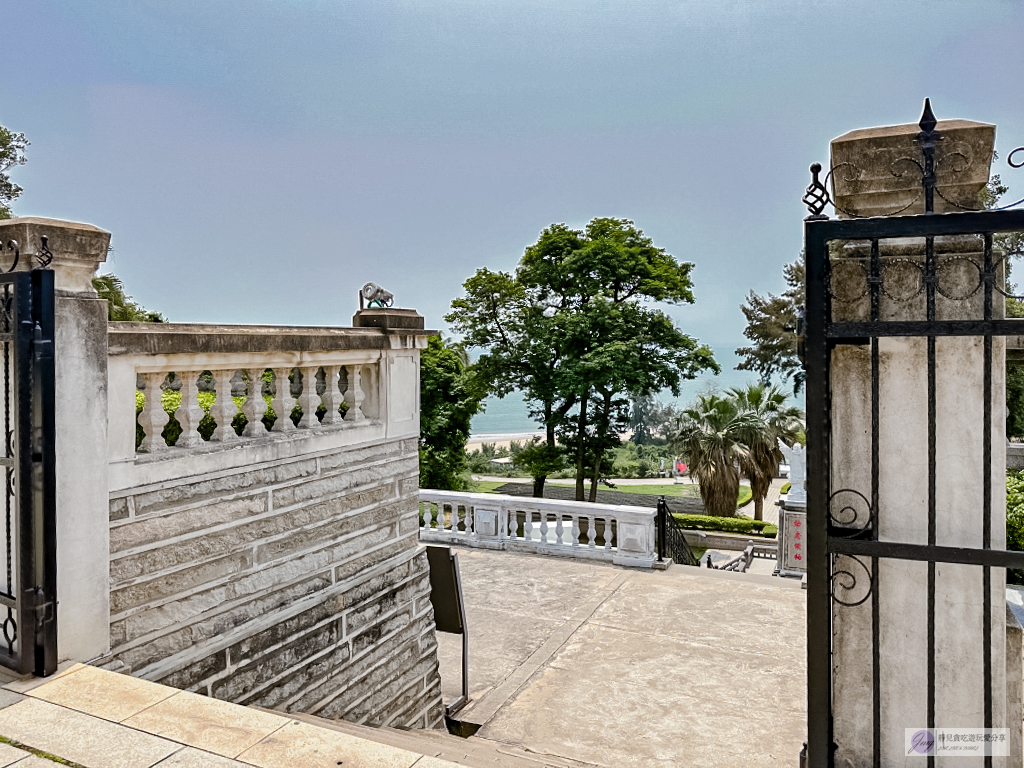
[(872, 177), (80, 356)]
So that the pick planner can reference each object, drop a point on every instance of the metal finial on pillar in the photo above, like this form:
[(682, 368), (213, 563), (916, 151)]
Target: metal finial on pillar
[(928, 121), (816, 195), (927, 138)]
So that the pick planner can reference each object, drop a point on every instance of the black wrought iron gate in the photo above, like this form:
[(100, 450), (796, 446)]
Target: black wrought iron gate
[(843, 538), (28, 594)]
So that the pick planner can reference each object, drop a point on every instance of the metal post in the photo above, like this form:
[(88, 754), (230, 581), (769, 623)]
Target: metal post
[(662, 513), (819, 614), (44, 468)]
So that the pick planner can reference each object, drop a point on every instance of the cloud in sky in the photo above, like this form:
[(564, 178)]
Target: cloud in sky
[(258, 160)]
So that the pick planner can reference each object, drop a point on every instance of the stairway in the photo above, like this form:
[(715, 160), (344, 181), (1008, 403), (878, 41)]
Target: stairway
[(474, 751)]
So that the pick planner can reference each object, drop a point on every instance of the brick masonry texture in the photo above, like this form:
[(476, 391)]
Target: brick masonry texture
[(298, 586)]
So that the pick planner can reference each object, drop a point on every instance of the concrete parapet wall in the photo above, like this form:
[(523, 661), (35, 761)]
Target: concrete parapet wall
[(291, 583), (1014, 456)]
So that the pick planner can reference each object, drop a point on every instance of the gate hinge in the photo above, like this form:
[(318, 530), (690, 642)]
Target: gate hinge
[(41, 348)]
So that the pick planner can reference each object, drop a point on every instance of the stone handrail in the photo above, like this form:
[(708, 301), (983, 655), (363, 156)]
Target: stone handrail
[(340, 379), (620, 534)]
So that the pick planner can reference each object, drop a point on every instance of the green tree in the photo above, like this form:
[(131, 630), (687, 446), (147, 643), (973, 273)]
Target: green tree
[(450, 395), (120, 305), (775, 422), (650, 418), (569, 329), (771, 329), (12, 153), (713, 436), (538, 459)]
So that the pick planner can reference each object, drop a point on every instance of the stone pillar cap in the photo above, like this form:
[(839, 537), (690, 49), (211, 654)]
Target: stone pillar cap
[(78, 249), (406, 319), (873, 170)]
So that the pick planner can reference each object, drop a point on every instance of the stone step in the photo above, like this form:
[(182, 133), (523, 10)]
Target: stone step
[(474, 751)]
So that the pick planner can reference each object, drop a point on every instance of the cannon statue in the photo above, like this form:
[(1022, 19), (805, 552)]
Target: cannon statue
[(372, 295)]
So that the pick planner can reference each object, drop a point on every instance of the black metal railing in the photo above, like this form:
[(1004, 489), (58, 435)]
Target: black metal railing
[(672, 538)]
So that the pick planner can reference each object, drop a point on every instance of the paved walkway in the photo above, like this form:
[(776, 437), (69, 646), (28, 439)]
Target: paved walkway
[(97, 719), (614, 667)]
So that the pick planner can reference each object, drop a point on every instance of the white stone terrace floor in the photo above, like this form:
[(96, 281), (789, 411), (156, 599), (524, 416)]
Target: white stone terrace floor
[(599, 665)]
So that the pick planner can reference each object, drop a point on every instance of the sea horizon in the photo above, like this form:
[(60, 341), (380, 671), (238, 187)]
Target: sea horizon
[(507, 417)]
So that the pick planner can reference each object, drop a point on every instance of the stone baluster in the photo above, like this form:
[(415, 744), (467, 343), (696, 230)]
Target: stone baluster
[(282, 403), (355, 395), (591, 532), (309, 400), (189, 413), (575, 531), (543, 527), (558, 529), (513, 524), (153, 417), (254, 406), (440, 516), (607, 533), (331, 398), (224, 409), (528, 526)]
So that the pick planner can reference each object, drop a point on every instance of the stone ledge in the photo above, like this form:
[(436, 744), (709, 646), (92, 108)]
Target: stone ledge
[(193, 338)]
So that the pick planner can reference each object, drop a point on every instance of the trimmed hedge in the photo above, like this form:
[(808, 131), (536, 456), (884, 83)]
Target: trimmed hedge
[(743, 525), (1015, 521)]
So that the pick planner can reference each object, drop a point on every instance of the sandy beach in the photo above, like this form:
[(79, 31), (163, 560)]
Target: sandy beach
[(504, 439)]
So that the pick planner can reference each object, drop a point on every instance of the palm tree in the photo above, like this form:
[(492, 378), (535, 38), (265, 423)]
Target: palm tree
[(712, 434), (775, 422)]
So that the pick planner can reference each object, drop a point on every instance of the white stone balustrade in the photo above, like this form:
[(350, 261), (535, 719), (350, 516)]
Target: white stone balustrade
[(620, 534), (343, 380), (225, 409)]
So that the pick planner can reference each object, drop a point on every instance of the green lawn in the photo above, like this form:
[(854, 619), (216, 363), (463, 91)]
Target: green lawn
[(657, 490), (680, 490), (484, 486)]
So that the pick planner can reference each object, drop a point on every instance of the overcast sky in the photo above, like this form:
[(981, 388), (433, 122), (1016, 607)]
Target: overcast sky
[(259, 160)]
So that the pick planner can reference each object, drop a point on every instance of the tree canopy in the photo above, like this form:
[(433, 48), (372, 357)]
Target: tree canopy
[(721, 436), (570, 329), (12, 153), (450, 394), (121, 306), (771, 328)]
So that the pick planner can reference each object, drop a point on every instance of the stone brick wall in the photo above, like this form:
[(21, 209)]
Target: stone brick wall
[(296, 583)]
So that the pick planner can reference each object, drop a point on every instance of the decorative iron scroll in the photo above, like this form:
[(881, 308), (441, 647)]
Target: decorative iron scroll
[(43, 259), (849, 513), (850, 587), (901, 279), (817, 196), (12, 245)]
